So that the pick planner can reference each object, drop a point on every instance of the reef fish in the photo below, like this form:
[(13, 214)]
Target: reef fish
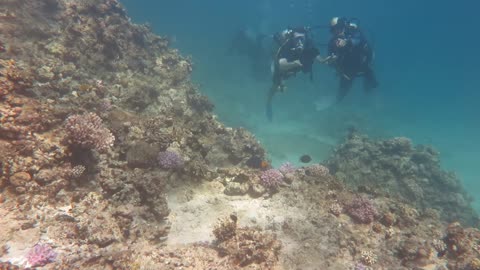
[(305, 158)]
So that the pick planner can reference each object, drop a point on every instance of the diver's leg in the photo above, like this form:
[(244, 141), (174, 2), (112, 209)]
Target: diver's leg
[(276, 86), (269, 109), (345, 85), (369, 80)]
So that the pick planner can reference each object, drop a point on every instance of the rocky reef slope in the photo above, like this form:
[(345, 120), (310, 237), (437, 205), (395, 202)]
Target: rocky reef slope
[(112, 159)]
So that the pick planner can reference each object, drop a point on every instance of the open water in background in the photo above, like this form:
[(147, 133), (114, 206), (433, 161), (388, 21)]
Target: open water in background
[(427, 63)]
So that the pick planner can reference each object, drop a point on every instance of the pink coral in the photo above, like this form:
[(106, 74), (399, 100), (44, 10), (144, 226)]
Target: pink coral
[(271, 178), (40, 255)]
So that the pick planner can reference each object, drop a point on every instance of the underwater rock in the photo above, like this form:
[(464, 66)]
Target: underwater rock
[(20, 179), (217, 156), (257, 190), (234, 188), (200, 103), (397, 146), (142, 155)]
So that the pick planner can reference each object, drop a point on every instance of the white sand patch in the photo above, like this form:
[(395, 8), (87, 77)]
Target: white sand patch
[(192, 220)]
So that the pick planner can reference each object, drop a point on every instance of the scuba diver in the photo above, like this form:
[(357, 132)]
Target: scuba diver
[(296, 52), (246, 43), (350, 54)]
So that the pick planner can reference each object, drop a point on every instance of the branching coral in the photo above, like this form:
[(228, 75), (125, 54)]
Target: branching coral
[(40, 255), (170, 160), (88, 131), (271, 178)]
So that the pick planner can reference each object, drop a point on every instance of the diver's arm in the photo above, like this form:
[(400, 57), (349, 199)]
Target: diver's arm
[(322, 60), (326, 60), (284, 65)]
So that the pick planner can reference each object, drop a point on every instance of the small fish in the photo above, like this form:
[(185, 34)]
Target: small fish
[(257, 163), (264, 164), (305, 158)]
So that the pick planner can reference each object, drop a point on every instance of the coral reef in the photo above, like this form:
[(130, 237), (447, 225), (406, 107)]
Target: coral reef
[(396, 168), (114, 159)]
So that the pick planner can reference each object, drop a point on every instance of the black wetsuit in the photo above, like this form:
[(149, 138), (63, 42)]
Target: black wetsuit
[(294, 44), (299, 46), (354, 59)]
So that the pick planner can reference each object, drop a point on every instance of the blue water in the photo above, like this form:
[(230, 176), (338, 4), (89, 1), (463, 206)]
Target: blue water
[(427, 63)]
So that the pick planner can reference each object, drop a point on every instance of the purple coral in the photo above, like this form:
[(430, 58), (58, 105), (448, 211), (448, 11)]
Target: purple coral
[(169, 160), (40, 255), (88, 131), (271, 178), (362, 210), (286, 168), (360, 266)]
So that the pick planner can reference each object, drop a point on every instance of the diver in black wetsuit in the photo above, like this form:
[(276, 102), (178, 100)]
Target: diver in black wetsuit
[(350, 54), (296, 52)]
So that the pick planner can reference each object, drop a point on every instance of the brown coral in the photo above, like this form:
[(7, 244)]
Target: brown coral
[(246, 246), (226, 228), (388, 219)]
